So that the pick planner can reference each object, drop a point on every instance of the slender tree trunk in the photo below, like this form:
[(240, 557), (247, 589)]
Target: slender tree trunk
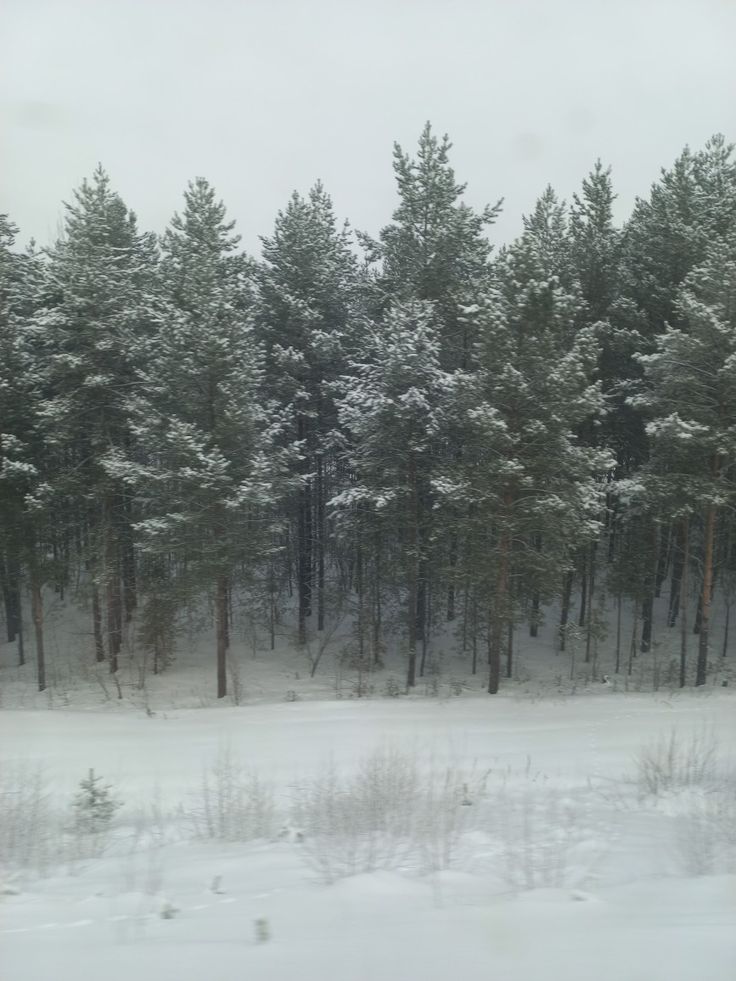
[(452, 561), (510, 650), (583, 590), (37, 611), (683, 600), (634, 632), (413, 571), (565, 610), (706, 601), (619, 605), (534, 617), (10, 575), (221, 632), (97, 624), (724, 649), (500, 609), (377, 605), (320, 543), (589, 612), (663, 563), (676, 582)]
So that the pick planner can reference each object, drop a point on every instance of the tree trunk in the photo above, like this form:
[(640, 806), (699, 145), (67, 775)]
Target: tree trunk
[(452, 561), (97, 624), (320, 543), (583, 591), (565, 610), (589, 613), (10, 576), (37, 610), (676, 582), (413, 572), (500, 610), (706, 600), (534, 617), (221, 633), (683, 600)]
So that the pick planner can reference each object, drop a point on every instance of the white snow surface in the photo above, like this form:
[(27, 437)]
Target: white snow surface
[(564, 870)]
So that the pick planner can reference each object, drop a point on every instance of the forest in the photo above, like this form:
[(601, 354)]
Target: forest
[(416, 431)]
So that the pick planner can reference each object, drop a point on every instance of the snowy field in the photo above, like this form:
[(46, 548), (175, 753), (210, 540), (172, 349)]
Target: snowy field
[(512, 837)]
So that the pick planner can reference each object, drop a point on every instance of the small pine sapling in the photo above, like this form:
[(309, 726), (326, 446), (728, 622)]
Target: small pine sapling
[(94, 805)]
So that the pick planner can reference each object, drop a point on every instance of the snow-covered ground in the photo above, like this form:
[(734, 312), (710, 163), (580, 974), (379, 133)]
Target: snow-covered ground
[(555, 863)]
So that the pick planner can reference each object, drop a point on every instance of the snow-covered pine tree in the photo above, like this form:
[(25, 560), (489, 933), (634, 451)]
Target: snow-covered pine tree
[(208, 471), (435, 248), (395, 411), (525, 476), (102, 279), (27, 461), (689, 399), (306, 291)]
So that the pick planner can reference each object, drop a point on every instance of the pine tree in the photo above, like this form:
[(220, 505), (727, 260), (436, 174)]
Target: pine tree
[(208, 471), (395, 411), (306, 291), (690, 401), (102, 276), (435, 248), (525, 475)]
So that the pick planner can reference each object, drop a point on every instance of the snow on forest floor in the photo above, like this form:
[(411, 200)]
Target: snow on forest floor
[(563, 828), (424, 838)]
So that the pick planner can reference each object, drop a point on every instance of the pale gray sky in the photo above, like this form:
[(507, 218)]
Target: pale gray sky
[(264, 96)]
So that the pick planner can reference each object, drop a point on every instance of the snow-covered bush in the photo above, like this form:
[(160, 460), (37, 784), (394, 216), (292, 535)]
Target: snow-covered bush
[(232, 804)]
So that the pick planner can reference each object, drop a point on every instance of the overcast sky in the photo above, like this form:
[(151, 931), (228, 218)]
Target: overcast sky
[(265, 96)]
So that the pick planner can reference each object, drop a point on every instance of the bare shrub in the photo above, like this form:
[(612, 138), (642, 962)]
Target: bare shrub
[(28, 826), (391, 814), (673, 762), (539, 829), (232, 804), (706, 828)]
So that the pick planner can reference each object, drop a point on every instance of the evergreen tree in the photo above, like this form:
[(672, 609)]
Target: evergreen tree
[(690, 401), (306, 291), (395, 411), (207, 472), (528, 480), (102, 276)]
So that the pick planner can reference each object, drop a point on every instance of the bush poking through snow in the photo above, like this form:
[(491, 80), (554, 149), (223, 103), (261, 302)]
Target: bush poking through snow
[(94, 806), (390, 814), (232, 805), (674, 762), (28, 832)]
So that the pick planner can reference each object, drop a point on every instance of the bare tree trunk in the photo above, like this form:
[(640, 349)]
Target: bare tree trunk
[(619, 605), (706, 601), (500, 609), (320, 543), (221, 632), (452, 561), (589, 613), (676, 582), (413, 573), (565, 610), (97, 624), (583, 590), (683, 600), (37, 611)]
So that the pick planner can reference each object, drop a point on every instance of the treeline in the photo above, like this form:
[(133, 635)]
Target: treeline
[(403, 431)]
